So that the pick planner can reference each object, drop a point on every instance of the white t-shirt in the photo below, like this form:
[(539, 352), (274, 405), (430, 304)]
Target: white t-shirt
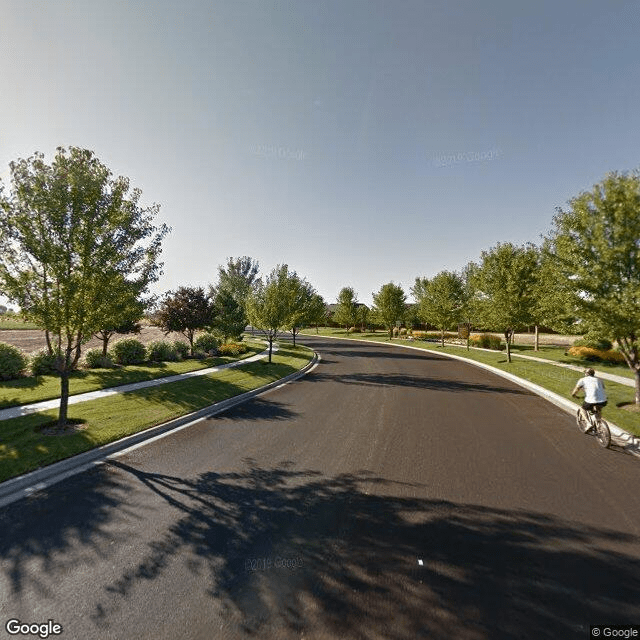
[(593, 389)]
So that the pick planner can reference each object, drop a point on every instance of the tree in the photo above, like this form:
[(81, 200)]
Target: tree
[(268, 303), (300, 298), (470, 307), (595, 247), (362, 316), (228, 317), (347, 311), (68, 230), (317, 312), (185, 311), (126, 311), (505, 283), (390, 305), (443, 301), (237, 278)]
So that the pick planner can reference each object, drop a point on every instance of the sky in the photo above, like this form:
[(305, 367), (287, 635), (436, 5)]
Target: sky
[(358, 141)]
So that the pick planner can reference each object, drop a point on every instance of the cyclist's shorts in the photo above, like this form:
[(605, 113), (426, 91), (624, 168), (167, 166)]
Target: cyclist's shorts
[(588, 406)]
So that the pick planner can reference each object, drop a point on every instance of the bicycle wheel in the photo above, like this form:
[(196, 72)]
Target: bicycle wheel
[(603, 434), (582, 420)]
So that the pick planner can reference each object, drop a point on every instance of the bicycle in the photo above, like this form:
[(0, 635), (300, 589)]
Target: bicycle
[(591, 422)]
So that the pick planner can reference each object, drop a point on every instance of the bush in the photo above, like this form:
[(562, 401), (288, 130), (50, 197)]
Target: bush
[(594, 341), (162, 351), (199, 354), (43, 364), (403, 331), (181, 348), (12, 362), (355, 330), (232, 349), (395, 332), (486, 341), (207, 342), (596, 355), (129, 351), (94, 359)]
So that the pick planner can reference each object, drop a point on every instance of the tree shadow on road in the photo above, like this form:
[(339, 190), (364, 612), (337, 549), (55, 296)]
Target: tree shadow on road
[(417, 382), (356, 556)]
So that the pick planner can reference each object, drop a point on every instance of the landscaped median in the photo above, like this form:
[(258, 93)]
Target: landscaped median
[(551, 377), (23, 447)]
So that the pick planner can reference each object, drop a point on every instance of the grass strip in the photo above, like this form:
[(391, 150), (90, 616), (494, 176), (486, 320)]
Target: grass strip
[(37, 388), (556, 379), (16, 325), (24, 448)]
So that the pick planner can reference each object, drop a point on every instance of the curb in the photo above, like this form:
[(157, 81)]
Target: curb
[(28, 483), (619, 436)]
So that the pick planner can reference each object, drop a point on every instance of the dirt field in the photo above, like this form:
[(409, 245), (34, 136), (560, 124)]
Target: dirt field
[(31, 340)]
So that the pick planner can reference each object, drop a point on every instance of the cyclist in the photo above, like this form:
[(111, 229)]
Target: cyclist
[(595, 397)]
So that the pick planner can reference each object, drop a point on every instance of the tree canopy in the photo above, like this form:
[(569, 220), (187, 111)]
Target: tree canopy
[(390, 305), (505, 282), (442, 302), (595, 249), (346, 312), (68, 231)]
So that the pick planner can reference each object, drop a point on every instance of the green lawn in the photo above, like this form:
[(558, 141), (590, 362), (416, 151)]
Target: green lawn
[(23, 448), (558, 354), (556, 379), (34, 389), (12, 325)]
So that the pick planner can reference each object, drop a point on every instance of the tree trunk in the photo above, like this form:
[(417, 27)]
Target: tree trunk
[(637, 372), (507, 335), (105, 344), (270, 347), (390, 332), (294, 336), (49, 347), (537, 340), (442, 337), (64, 398)]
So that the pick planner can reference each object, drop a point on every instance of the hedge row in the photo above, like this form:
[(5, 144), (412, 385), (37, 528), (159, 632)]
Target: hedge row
[(14, 363)]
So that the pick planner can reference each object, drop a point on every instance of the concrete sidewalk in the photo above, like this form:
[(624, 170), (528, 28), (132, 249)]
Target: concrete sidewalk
[(26, 409)]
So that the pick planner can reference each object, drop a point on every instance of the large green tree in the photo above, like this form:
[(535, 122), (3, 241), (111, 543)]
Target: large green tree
[(269, 303), (390, 305), (304, 304), (595, 246), (68, 230), (237, 277), (346, 312), (505, 283), (228, 316), (443, 301), (185, 311)]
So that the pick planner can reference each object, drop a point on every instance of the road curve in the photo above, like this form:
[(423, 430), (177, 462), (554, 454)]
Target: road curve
[(388, 494)]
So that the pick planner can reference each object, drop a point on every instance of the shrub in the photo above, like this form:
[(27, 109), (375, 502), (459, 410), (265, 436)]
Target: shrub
[(94, 359), (232, 349), (181, 348), (403, 331), (355, 330), (199, 354), (129, 351), (207, 342), (486, 341), (594, 341), (161, 351), (43, 363), (12, 362), (395, 332), (596, 355)]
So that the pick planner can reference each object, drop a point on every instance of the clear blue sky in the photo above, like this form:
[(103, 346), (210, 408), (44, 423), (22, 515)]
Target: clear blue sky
[(327, 135)]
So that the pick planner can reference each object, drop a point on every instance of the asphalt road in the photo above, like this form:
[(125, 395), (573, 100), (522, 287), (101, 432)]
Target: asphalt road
[(389, 494)]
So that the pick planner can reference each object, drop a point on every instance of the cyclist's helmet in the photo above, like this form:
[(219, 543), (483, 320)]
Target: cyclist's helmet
[(589, 372)]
